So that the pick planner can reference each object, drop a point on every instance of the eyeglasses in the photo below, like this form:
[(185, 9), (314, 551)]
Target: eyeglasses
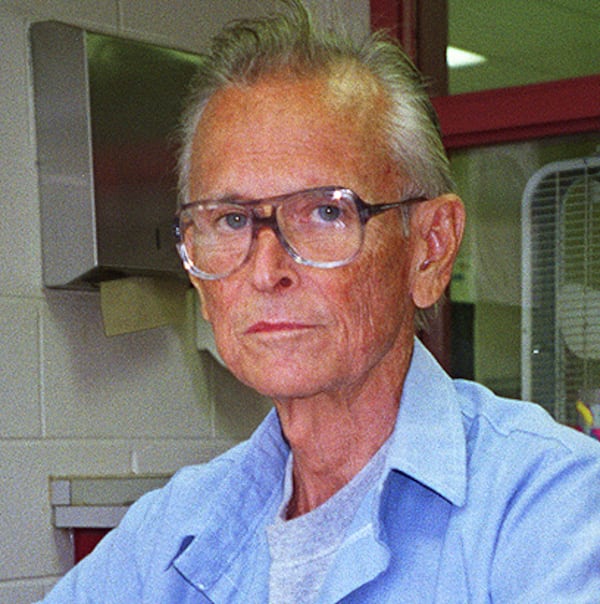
[(322, 227)]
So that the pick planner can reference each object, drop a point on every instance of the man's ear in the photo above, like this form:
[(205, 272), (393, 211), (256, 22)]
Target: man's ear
[(436, 229)]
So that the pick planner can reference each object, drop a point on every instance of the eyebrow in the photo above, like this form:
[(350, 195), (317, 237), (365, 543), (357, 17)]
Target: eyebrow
[(225, 198), (239, 199)]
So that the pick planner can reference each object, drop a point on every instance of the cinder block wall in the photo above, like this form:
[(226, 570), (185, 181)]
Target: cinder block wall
[(73, 401)]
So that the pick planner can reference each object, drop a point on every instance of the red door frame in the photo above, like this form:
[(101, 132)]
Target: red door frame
[(503, 114), (399, 19), (520, 113)]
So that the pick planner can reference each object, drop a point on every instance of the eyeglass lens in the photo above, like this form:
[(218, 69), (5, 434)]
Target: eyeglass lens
[(319, 227)]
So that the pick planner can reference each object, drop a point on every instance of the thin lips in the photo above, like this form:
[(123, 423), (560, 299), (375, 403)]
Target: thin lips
[(273, 326)]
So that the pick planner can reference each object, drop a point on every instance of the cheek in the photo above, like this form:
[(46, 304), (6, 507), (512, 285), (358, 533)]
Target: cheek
[(224, 332), (373, 303), (388, 286), (215, 301), (376, 312)]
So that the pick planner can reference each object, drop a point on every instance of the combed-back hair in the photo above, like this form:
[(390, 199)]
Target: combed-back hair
[(290, 43)]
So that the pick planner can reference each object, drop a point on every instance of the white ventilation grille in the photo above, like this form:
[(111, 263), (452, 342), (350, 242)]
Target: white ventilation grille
[(561, 285)]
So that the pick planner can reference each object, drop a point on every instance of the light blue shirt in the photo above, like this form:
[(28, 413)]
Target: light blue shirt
[(483, 500)]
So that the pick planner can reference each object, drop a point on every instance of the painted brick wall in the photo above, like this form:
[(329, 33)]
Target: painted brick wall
[(73, 401)]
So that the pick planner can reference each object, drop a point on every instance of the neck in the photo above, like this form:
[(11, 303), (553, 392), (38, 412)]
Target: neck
[(334, 435)]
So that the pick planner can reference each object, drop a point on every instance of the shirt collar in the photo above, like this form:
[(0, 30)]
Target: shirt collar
[(429, 442), (251, 491)]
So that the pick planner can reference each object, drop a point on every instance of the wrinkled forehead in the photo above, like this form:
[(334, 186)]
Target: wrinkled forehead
[(283, 123)]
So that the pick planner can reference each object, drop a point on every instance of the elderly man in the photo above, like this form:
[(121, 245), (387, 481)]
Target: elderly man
[(317, 221)]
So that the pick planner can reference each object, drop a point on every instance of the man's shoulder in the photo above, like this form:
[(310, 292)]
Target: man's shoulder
[(195, 492), (517, 433), (204, 479), (186, 496), (208, 474)]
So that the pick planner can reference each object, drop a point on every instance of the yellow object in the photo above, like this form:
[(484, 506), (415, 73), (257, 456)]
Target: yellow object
[(585, 413), (138, 303)]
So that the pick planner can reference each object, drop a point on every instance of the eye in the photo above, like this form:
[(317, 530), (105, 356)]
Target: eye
[(328, 213), (236, 221), (232, 220)]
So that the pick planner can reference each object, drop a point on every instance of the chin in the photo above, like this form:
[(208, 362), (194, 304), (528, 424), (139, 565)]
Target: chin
[(291, 369), (282, 385)]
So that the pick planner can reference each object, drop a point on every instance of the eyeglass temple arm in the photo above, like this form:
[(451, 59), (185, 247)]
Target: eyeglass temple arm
[(369, 210)]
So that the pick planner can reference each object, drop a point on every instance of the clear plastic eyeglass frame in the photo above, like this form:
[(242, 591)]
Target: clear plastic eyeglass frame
[(266, 213)]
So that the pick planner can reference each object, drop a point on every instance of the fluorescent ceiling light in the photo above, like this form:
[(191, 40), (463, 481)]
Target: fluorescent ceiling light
[(457, 57)]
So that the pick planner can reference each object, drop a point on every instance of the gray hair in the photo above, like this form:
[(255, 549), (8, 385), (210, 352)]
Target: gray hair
[(289, 42)]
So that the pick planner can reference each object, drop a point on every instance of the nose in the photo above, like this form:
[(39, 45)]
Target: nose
[(271, 267)]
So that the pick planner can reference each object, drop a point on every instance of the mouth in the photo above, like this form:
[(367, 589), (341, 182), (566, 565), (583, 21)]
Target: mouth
[(266, 327)]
